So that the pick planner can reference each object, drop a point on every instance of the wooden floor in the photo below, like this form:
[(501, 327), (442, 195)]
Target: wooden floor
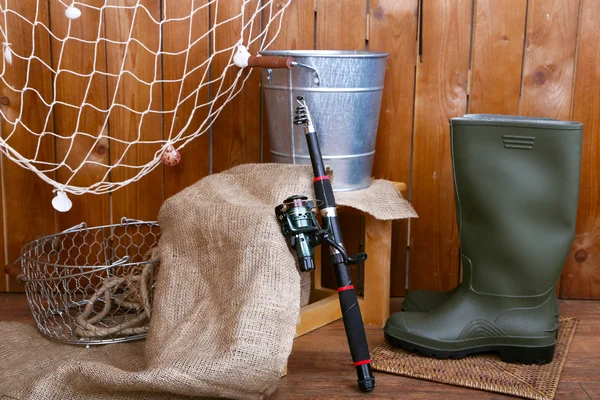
[(320, 366)]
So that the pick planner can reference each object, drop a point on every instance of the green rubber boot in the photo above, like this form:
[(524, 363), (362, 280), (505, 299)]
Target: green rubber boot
[(429, 300), (425, 300), (516, 182)]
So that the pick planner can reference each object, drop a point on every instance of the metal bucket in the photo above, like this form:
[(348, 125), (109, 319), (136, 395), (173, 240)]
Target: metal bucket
[(343, 91)]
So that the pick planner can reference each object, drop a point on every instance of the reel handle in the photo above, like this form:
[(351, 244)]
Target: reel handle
[(271, 62)]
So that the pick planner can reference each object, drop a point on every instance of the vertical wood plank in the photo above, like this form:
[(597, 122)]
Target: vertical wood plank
[(549, 64), (142, 199), (28, 213), (378, 243), (4, 278), (441, 93), (341, 25), (333, 21), (548, 67), (297, 25), (297, 33), (393, 27), (194, 162), (581, 276), (236, 131), (497, 56), (76, 90)]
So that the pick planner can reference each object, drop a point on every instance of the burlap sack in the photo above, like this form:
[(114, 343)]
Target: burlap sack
[(225, 306)]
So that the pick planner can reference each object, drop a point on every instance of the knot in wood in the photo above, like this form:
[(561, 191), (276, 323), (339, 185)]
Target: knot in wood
[(581, 255), (541, 75), (101, 149)]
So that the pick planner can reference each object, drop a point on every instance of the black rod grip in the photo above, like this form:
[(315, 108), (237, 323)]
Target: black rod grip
[(353, 324), (316, 159), (355, 332)]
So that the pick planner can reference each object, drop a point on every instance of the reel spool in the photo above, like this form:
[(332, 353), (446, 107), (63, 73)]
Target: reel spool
[(298, 219)]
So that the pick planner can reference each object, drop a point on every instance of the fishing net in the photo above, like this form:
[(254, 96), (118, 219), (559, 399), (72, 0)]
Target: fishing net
[(98, 93)]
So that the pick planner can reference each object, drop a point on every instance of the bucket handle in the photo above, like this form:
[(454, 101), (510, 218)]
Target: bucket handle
[(316, 77)]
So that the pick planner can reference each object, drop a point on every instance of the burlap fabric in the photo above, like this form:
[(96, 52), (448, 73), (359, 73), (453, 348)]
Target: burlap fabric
[(225, 307)]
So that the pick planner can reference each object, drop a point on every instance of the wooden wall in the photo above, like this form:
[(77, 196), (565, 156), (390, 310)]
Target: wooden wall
[(447, 58)]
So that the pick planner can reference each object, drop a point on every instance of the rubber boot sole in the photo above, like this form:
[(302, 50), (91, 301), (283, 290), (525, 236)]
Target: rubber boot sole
[(508, 354)]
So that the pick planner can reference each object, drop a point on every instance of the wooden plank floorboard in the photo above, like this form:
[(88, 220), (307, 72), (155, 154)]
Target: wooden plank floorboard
[(320, 366), (592, 390)]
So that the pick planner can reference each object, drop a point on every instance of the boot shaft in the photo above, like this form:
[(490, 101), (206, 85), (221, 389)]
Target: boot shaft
[(516, 183)]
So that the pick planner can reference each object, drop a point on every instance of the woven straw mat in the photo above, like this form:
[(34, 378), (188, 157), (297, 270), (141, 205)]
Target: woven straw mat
[(485, 372)]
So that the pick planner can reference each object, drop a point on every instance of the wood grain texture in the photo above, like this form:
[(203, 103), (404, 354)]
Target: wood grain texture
[(4, 278), (592, 389), (378, 244), (583, 362), (70, 88), (393, 27), (178, 36), (320, 366), (333, 19), (28, 213), (236, 131), (556, 78), (297, 25), (581, 276), (297, 33), (318, 314), (548, 67), (393, 30), (441, 93), (497, 56), (341, 25), (142, 199)]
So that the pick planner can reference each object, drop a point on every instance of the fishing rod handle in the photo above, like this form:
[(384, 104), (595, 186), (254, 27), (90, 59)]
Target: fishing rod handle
[(355, 329), (353, 323)]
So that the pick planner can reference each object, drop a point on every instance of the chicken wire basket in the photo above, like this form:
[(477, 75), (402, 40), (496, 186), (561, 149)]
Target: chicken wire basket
[(94, 285)]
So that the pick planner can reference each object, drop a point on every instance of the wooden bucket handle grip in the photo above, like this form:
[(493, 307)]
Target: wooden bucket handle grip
[(270, 62)]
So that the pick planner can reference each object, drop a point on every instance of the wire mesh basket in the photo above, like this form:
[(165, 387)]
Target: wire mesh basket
[(92, 285)]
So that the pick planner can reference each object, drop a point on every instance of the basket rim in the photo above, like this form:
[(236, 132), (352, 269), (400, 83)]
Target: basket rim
[(82, 226), (92, 270)]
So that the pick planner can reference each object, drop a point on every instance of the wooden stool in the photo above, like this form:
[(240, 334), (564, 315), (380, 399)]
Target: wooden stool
[(375, 305)]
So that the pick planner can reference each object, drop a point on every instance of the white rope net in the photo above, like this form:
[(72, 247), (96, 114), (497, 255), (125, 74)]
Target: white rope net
[(115, 87)]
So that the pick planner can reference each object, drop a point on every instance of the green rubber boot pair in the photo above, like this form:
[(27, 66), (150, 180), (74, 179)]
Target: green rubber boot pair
[(516, 185)]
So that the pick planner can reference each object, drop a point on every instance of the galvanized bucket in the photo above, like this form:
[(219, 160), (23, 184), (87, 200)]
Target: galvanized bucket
[(343, 92)]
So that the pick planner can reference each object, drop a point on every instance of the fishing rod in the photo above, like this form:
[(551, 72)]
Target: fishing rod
[(297, 217)]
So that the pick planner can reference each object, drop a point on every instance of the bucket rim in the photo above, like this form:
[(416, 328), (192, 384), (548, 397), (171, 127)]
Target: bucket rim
[(326, 53)]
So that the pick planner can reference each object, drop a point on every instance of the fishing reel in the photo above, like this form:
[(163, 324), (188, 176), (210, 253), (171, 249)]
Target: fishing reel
[(297, 217), (298, 220)]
